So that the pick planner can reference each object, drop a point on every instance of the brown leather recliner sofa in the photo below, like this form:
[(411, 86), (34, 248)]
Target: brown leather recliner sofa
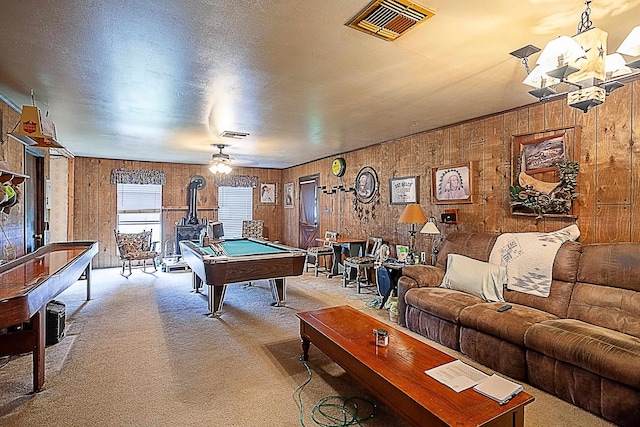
[(581, 343)]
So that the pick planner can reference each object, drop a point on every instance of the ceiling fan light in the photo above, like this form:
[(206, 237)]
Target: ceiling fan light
[(220, 167)]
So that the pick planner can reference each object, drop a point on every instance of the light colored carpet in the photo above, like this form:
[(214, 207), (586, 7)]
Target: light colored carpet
[(142, 352)]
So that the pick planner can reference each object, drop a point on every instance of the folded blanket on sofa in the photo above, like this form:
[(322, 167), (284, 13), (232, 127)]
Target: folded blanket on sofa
[(528, 258)]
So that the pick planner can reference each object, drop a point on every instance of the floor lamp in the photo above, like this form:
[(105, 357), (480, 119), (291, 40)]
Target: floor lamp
[(413, 215), (431, 229)]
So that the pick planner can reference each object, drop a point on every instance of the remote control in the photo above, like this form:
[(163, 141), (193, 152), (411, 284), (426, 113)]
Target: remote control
[(504, 308)]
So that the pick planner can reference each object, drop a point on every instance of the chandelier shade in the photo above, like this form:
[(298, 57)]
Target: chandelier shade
[(631, 44)]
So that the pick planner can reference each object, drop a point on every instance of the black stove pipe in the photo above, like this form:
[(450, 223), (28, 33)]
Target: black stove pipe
[(192, 215)]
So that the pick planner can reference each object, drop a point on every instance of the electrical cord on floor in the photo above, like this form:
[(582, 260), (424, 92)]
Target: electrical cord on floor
[(369, 302), (347, 407)]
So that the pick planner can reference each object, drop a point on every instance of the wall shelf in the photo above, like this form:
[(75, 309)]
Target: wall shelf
[(12, 177), (557, 216)]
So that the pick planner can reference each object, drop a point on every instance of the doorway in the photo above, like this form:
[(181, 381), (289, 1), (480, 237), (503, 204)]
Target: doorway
[(309, 212), (34, 224)]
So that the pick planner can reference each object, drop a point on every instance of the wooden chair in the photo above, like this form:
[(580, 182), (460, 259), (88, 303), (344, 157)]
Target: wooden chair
[(252, 228), (136, 247), (314, 253), (362, 265)]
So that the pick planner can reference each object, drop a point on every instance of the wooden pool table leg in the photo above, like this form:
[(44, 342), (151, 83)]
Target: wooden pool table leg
[(216, 299), (278, 290), (39, 337)]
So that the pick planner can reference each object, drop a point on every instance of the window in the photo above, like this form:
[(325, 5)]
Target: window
[(235, 204), (140, 208)]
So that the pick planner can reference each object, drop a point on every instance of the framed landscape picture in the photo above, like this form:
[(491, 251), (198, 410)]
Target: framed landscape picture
[(403, 190), (451, 184), (542, 155)]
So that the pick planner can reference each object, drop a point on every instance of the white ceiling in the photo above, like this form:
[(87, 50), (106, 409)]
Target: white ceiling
[(160, 80)]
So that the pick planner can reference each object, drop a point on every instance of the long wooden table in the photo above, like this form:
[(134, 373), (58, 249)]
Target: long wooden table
[(27, 284), (395, 374)]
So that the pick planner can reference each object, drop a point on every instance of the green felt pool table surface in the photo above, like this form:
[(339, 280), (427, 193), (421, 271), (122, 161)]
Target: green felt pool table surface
[(239, 247)]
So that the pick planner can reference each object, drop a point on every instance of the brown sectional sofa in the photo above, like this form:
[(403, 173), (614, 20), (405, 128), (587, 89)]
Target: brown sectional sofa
[(581, 343)]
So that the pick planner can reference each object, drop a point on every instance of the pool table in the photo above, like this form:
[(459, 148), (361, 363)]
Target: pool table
[(241, 260)]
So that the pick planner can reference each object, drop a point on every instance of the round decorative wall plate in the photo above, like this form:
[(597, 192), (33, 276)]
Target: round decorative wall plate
[(366, 185), (338, 166)]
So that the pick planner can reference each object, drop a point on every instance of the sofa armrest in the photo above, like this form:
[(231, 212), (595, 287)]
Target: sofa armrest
[(416, 276)]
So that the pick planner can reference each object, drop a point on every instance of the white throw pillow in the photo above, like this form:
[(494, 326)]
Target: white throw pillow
[(475, 277)]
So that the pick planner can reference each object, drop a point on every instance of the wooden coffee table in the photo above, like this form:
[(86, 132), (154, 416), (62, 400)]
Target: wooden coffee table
[(395, 374)]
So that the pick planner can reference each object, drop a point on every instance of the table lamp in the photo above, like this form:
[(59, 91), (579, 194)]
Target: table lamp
[(431, 229), (413, 215)]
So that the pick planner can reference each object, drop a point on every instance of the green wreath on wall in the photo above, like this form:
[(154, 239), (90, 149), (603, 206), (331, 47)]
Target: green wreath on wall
[(558, 201)]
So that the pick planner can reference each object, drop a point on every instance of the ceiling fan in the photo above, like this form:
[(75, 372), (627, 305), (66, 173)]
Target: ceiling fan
[(220, 161)]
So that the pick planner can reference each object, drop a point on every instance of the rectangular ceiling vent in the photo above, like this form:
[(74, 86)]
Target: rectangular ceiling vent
[(389, 19), (233, 134)]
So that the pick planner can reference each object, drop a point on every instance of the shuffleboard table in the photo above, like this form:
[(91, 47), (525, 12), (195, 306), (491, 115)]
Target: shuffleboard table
[(27, 284), (241, 260)]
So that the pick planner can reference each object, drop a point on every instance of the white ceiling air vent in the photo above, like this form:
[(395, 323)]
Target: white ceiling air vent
[(233, 134), (389, 19)]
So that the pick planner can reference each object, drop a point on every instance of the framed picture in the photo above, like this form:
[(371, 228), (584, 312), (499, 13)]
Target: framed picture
[(403, 190), (288, 195), (451, 184), (366, 185), (268, 194), (542, 155)]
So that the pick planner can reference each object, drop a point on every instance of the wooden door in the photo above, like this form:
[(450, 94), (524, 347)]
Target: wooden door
[(34, 225), (309, 212)]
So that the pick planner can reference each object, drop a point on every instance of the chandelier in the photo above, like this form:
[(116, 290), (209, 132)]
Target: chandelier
[(220, 161), (579, 66)]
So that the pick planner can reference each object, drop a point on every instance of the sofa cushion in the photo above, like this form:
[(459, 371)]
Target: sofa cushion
[(605, 352), (443, 303), (510, 325), (565, 270), (556, 303), (475, 277), (608, 307), (611, 264)]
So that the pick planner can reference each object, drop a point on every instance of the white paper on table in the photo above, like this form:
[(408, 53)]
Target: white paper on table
[(457, 375)]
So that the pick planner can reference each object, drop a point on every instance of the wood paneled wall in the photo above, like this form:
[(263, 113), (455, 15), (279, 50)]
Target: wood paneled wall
[(608, 181), (95, 206)]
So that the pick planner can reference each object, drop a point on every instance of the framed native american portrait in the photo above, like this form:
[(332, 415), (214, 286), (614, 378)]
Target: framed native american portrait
[(451, 184)]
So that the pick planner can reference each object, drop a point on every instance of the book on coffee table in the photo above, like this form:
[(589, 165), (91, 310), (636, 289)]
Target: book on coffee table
[(457, 375), (498, 388)]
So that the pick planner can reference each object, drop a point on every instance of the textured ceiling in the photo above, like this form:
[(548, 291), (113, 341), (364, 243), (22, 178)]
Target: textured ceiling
[(161, 80)]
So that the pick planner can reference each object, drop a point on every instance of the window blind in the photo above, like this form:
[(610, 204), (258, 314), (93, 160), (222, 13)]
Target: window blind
[(139, 197), (235, 204)]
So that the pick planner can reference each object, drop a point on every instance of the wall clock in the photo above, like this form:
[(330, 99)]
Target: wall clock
[(338, 166)]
